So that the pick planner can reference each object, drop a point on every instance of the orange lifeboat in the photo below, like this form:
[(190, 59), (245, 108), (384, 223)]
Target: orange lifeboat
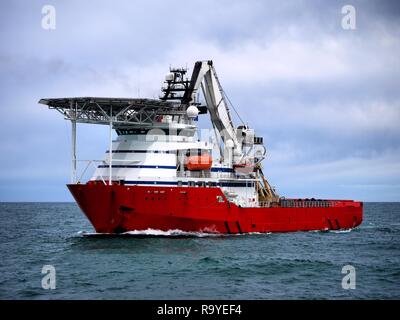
[(196, 163)]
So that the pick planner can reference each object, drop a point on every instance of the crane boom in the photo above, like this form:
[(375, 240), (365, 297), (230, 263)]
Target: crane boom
[(205, 77)]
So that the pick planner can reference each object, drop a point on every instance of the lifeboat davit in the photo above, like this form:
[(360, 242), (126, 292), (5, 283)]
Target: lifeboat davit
[(196, 163)]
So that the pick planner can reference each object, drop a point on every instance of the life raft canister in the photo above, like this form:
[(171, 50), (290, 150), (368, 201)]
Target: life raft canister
[(196, 163)]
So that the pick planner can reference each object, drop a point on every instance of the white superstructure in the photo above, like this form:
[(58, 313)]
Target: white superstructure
[(159, 143)]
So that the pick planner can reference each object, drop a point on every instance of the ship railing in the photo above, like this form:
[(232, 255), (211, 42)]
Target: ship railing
[(264, 204), (268, 204), (288, 203), (204, 174), (296, 204), (94, 164), (89, 163)]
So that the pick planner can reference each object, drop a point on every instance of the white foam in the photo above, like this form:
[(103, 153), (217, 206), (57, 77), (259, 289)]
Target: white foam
[(87, 233), (341, 231), (333, 231), (169, 233)]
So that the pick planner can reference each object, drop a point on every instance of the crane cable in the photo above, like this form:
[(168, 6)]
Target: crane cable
[(226, 96), (234, 109)]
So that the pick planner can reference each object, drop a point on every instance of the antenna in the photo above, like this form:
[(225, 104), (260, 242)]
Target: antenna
[(138, 82)]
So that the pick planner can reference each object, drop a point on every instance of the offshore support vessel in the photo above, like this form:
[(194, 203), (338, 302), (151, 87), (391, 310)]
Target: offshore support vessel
[(158, 174)]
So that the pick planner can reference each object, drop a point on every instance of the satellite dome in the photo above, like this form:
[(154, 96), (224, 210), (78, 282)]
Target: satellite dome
[(192, 112)]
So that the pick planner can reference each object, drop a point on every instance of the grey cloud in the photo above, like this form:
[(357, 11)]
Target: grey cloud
[(325, 98)]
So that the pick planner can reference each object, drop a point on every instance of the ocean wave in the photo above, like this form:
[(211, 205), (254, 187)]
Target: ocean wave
[(170, 233), (332, 231), (341, 231), (151, 233)]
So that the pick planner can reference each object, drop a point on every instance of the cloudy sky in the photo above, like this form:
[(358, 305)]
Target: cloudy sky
[(326, 99)]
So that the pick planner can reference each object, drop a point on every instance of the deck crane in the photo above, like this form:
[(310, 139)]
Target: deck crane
[(239, 143), (204, 77)]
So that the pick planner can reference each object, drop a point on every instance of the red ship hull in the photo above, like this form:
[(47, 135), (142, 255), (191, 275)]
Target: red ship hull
[(119, 208)]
